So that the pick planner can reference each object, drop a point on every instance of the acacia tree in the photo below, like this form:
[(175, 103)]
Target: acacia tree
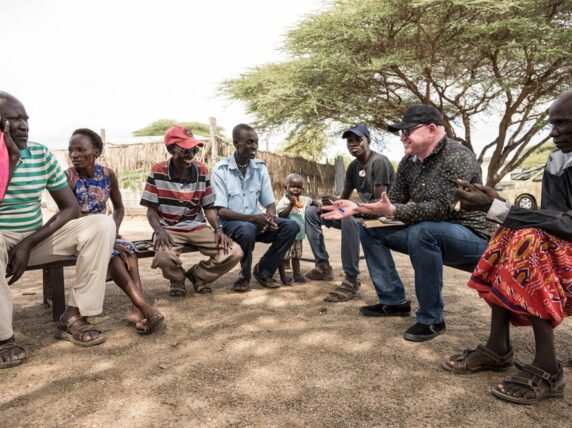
[(368, 60), (159, 127)]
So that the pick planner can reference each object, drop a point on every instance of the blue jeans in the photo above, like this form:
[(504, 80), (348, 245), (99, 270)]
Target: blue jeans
[(350, 241), (246, 234), (429, 245)]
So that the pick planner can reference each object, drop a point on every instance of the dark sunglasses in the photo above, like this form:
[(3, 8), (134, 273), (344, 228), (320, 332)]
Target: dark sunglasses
[(407, 132), (188, 152)]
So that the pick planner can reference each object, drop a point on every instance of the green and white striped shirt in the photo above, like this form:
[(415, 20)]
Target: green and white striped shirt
[(37, 170)]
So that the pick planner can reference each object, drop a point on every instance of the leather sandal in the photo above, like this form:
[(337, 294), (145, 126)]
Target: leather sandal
[(11, 346), (555, 382), (495, 363), (75, 335), (241, 285), (265, 281), (347, 290), (199, 288)]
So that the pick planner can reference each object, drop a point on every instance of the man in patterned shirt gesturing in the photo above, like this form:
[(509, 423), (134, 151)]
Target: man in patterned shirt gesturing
[(422, 197)]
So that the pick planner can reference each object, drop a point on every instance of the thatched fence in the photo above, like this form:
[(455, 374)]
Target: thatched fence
[(135, 160)]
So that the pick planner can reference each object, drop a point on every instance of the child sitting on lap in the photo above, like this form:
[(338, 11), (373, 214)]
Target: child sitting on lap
[(293, 206)]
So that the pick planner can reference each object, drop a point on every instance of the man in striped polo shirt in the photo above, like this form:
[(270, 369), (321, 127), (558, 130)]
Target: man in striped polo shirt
[(25, 240), (179, 197)]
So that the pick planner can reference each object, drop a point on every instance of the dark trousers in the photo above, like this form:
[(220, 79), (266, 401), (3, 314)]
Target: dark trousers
[(246, 234)]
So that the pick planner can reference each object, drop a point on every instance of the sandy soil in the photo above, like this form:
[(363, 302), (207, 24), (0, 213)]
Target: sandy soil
[(266, 358)]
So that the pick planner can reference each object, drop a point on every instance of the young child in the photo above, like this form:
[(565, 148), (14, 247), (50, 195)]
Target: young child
[(293, 206)]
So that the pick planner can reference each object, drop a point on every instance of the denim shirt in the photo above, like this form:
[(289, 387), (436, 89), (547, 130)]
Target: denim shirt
[(241, 194)]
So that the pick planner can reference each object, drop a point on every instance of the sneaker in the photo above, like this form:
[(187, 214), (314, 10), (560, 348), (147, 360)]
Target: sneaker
[(321, 273), (381, 310), (422, 332)]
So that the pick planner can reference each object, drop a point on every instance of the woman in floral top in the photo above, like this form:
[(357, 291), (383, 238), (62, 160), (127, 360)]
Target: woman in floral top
[(93, 185)]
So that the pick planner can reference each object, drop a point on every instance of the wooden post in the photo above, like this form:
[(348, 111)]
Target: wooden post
[(102, 135), (214, 140), (340, 173)]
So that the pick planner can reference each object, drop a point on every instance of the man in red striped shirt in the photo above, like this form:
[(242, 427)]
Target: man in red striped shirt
[(179, 197)]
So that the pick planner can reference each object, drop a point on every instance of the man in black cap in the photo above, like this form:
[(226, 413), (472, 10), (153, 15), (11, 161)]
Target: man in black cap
[(370, 173), (434, 232)]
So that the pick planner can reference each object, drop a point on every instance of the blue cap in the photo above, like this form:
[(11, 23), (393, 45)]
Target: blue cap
[(357, 129)]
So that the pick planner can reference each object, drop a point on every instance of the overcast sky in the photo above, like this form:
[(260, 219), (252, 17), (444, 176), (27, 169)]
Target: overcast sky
[(122, 64)]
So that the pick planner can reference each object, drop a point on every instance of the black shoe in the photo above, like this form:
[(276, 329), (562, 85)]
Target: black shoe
[(381, 310), (423, 332)]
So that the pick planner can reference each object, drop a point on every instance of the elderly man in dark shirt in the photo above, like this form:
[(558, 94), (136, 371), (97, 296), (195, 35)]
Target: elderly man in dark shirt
[(432, 233)]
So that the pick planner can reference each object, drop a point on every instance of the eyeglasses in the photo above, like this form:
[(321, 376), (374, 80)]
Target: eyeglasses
[(188, 152), (407, 132)]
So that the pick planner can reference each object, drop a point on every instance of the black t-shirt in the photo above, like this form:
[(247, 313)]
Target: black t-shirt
[(377, 170)]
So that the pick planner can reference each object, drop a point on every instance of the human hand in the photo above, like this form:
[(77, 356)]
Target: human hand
[(475, 197), (271, 224), (341, 208), (162, 240), (383, 207), (124, 254), (13, 150), (222, 241), (18, 258)]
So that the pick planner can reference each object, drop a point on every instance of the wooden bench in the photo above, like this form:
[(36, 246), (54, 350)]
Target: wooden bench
[(53, 276)]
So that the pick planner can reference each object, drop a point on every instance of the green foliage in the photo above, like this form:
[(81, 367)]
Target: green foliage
[(368, 60), (133, 180), (308, 143), (159, 127), (539, 157)]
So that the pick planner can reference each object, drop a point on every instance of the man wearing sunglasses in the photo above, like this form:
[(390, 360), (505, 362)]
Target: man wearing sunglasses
[(179, 197), (422, 197)]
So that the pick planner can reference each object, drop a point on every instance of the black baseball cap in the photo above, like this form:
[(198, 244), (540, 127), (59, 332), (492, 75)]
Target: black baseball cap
[(358, 129), (419, 114)]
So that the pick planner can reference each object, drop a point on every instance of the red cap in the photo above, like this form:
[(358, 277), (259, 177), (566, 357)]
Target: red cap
[(182, 137)]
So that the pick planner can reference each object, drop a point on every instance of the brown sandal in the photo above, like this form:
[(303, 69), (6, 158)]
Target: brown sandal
[(265, 281), (241, 285), (555, 382), (347, 290), (199, 288), (177, 289), (497, 363), (64, 332), (4, 349)]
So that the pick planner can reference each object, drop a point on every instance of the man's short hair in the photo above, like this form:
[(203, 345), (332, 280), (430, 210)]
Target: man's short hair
[(240, 127)]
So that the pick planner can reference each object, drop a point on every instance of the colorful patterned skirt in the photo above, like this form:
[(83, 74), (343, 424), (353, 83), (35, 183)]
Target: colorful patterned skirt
[(529, 273)]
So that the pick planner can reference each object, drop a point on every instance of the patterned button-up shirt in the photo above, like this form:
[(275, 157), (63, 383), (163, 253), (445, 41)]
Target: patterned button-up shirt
[(424, 190)]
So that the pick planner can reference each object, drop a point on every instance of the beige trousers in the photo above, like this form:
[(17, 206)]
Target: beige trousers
[(91, 238), (202, 240)]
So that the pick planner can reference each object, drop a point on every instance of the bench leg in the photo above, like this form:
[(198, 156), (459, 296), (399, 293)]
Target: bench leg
[(54, 291)]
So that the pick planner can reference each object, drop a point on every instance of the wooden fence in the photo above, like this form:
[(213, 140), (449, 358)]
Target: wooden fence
[(125, 159)]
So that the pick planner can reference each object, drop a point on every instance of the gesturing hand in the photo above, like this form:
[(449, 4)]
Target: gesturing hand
[(475, 197), (342, 208)]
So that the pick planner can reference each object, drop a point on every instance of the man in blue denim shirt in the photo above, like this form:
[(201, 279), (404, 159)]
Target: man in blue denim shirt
[(240, 182)]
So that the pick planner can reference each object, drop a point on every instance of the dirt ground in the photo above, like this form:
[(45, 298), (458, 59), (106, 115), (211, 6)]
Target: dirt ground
[(266, 358)]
